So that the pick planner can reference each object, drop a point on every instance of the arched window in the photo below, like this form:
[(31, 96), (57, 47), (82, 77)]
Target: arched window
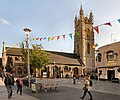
[(111, 55), (88, 32), (66, 68), (16, 58), (88, 48), (99, 57)]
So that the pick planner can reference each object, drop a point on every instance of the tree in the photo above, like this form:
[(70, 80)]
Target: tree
[(38, 57)]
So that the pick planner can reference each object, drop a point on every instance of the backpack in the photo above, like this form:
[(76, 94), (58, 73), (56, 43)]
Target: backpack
[(17, 82), (90, 83)]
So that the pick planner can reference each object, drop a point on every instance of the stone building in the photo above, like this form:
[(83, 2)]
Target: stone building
[(84, 39), (63, 64), (108, 61)]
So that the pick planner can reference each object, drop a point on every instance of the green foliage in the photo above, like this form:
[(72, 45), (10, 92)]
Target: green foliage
[(38, 57)]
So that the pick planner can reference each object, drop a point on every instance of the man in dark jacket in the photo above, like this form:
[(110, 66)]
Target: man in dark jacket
[(8, 83)]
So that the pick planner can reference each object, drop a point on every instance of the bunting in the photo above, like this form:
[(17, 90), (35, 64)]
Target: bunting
[(70, 35), (96, 29), (108, 24), (58, 37), (63, 36)]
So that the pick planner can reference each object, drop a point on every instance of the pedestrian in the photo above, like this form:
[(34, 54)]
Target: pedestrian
[(8, 83), (74, 79), (19, 83), (87, 87)]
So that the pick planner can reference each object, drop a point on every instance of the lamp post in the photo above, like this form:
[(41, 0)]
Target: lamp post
[(27, 31)]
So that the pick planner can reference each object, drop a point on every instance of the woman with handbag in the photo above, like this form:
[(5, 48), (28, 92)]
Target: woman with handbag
[(87, 87)]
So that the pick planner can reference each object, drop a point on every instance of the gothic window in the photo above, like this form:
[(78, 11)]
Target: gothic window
[(77, 48), (88, 48), (88, 32), (99, 57), (111, 55), (16, 58)]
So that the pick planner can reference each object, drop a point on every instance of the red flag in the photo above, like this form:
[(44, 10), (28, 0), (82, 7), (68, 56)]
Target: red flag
[(108, 24), (58, 37), (96, 29), (63, 37)]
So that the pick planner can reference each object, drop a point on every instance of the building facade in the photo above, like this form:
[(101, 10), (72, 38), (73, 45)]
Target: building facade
[(108, 61), (62, 64), (84, 39)]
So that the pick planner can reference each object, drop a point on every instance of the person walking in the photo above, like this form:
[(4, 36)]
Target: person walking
[(8, 83), (87, 88), (19, 83)]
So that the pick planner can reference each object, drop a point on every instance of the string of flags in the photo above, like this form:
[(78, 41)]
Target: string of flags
[(53, 37), (96, 28)]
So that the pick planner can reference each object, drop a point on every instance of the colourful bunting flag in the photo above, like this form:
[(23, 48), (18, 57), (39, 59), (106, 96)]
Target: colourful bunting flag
[(119, 20), (48, 38), (53, 38), (96, 29), (37, 38), (63, 37), (108, 24), (44, 38), (40, 39), (33, 38), (70, 35), (58, 37)]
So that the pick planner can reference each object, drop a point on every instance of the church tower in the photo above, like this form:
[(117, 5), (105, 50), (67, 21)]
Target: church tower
[(84, 39)]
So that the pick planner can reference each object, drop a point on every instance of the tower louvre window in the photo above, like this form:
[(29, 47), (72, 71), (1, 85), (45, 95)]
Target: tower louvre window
[(88, 48)]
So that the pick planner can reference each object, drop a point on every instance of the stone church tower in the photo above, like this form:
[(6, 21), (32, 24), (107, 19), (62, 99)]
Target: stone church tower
[(84, 39)]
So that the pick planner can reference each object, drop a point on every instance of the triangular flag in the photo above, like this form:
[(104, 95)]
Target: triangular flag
[(37, 38), (53, 38), (58, 37), (96, 45), (48, 38), (63, 37), (108, 24), (118, 20), (44, 38), (70, 35), (96, 29), (40, 39), (33, 38)]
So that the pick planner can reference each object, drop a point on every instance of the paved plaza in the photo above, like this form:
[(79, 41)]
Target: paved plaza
[(102, 90)]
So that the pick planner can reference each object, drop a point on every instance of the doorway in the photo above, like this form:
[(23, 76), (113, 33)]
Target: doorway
[(110, 74)]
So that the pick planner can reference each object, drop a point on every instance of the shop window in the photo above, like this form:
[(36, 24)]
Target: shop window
[(111, 55)]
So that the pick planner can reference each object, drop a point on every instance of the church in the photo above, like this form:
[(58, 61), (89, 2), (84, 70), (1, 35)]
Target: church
[(63, 64)]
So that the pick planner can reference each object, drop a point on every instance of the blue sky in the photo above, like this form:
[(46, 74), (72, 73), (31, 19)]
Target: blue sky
[(56, 17)]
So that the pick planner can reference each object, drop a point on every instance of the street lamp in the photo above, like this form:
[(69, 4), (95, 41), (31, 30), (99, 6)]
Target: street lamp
[(27, 31)]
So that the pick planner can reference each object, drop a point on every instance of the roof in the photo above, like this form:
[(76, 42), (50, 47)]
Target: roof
[(13, 51), (54, 56), (64, 58)]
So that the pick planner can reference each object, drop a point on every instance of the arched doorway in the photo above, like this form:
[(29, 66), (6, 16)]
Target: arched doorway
[(56, 72), (75, 71)]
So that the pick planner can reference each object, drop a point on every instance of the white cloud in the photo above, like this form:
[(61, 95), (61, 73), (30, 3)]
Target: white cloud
[(4, 21)]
